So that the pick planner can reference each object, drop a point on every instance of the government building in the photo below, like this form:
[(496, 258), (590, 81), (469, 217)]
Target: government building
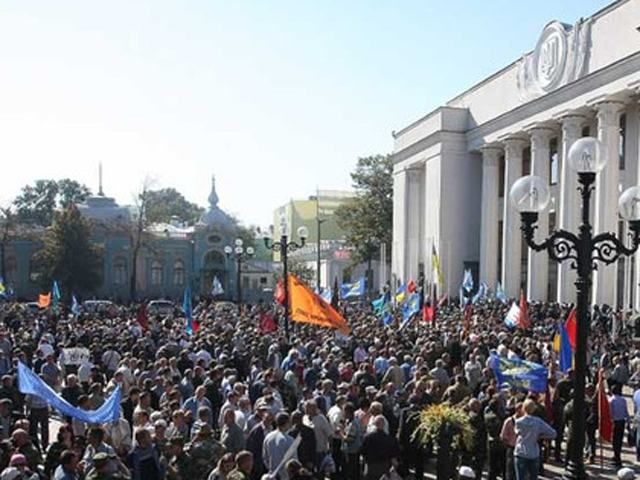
[(454, 167)]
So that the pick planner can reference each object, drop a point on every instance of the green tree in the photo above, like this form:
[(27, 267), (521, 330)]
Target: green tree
[(367, 219), (7, 232), (301, 270), (166, 203), (69, 256), (37, 203)]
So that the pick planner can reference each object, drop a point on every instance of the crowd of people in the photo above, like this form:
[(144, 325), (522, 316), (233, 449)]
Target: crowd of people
[(232, 402)]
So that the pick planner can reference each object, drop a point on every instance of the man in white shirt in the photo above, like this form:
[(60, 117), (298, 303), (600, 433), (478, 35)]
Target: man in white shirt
[(321, 429)]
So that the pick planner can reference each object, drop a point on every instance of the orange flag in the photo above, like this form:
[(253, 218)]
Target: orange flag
[(307, 307), (523, 319), (44, 300)]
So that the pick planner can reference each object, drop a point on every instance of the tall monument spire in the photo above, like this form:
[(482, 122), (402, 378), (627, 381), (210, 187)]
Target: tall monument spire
[(213, 196), (100, 191)]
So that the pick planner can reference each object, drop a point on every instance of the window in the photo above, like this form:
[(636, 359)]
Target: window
[(178, 273), (119, 271), (263, 280), (586, 131), (156, 273), (254, 284), (554, 166), (245, 283), (621, 144), (501, 166), (213, 239)]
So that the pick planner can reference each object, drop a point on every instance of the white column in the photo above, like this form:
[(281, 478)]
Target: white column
[(489, 216), (569, 210), (511, 234), (606, 205), (413, 224), (399, 242), (538, 262)]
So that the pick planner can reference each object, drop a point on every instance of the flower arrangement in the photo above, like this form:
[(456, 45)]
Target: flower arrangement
[(442, 419)]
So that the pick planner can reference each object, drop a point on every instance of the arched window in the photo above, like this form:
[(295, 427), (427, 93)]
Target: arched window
[(119, 271), (178, 273), (156, 273)]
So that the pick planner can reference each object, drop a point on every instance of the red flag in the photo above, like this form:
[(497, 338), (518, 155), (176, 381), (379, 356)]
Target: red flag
[(428, 313), (267, 324), (142, 318), (572, 328), (468, 313), (411, 286), (548, 407), (278, 295), (523, 317), (605, 424)]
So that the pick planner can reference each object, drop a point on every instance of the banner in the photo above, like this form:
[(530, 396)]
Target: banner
[(307, 307), (75, 356), (30, 383), (519, 374)]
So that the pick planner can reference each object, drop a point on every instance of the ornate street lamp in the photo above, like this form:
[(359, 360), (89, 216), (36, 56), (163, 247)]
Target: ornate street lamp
[(284, 246), (530, 195), (241, 254)]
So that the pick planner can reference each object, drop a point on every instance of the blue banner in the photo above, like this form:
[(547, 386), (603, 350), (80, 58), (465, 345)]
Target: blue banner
[(30, 383), (519, 374)]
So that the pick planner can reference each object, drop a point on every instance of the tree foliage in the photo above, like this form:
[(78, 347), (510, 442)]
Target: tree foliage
[(166, 203), (301, 270), (367, 219), (69, 256), (37, 203)]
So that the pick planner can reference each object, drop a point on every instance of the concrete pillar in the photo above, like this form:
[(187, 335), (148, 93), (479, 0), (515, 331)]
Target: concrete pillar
[(569, 210), (606, 195), (400, 212), (538, 262), (511, 234), (489, 216)]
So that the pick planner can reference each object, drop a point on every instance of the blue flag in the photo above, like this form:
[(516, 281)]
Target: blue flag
[(500, 295), (566, 354), (410, 308), (353, 290), (467, 280), (216, 287), (379, 304), (55, 293), (520, 374), (327, 295), (401, 294), (32, 384), (480, 294), (387, 318), (75, 306), (188, 312)]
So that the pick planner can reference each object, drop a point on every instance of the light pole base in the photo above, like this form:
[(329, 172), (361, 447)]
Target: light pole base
[(575, 471)]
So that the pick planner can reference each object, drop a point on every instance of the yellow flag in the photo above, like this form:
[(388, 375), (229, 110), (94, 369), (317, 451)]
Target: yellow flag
[(44, 300), (307, 307)]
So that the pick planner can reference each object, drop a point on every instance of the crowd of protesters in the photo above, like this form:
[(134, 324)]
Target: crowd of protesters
[(229, 401)]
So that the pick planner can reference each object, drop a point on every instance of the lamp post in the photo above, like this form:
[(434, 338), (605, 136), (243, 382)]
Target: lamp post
[(284, 246), (241, 254), (530, 195)]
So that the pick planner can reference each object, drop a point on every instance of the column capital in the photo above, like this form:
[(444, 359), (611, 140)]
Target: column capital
[(540, 135), (491, 154), (608, 112), (513, 146), (572, 121)]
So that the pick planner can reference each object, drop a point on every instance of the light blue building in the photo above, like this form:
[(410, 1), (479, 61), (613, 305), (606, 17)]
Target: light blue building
[(173, 256)]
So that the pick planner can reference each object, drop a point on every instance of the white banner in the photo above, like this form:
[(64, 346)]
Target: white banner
[(75, 356)]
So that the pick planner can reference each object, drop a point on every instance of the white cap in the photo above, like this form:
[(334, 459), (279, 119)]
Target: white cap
[(626, 473), (466, 472)]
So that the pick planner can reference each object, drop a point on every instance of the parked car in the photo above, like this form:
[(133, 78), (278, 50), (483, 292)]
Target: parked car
[(161, 307), (98, 306)]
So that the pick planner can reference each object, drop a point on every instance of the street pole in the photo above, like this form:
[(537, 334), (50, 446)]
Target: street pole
[(530, 195), (239, 278), (285, 273)]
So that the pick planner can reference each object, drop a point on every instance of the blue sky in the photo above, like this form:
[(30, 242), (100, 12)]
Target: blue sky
[(274, 97)]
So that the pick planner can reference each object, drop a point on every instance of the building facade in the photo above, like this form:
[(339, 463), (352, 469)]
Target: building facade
[(172, 257), (453, 168)]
